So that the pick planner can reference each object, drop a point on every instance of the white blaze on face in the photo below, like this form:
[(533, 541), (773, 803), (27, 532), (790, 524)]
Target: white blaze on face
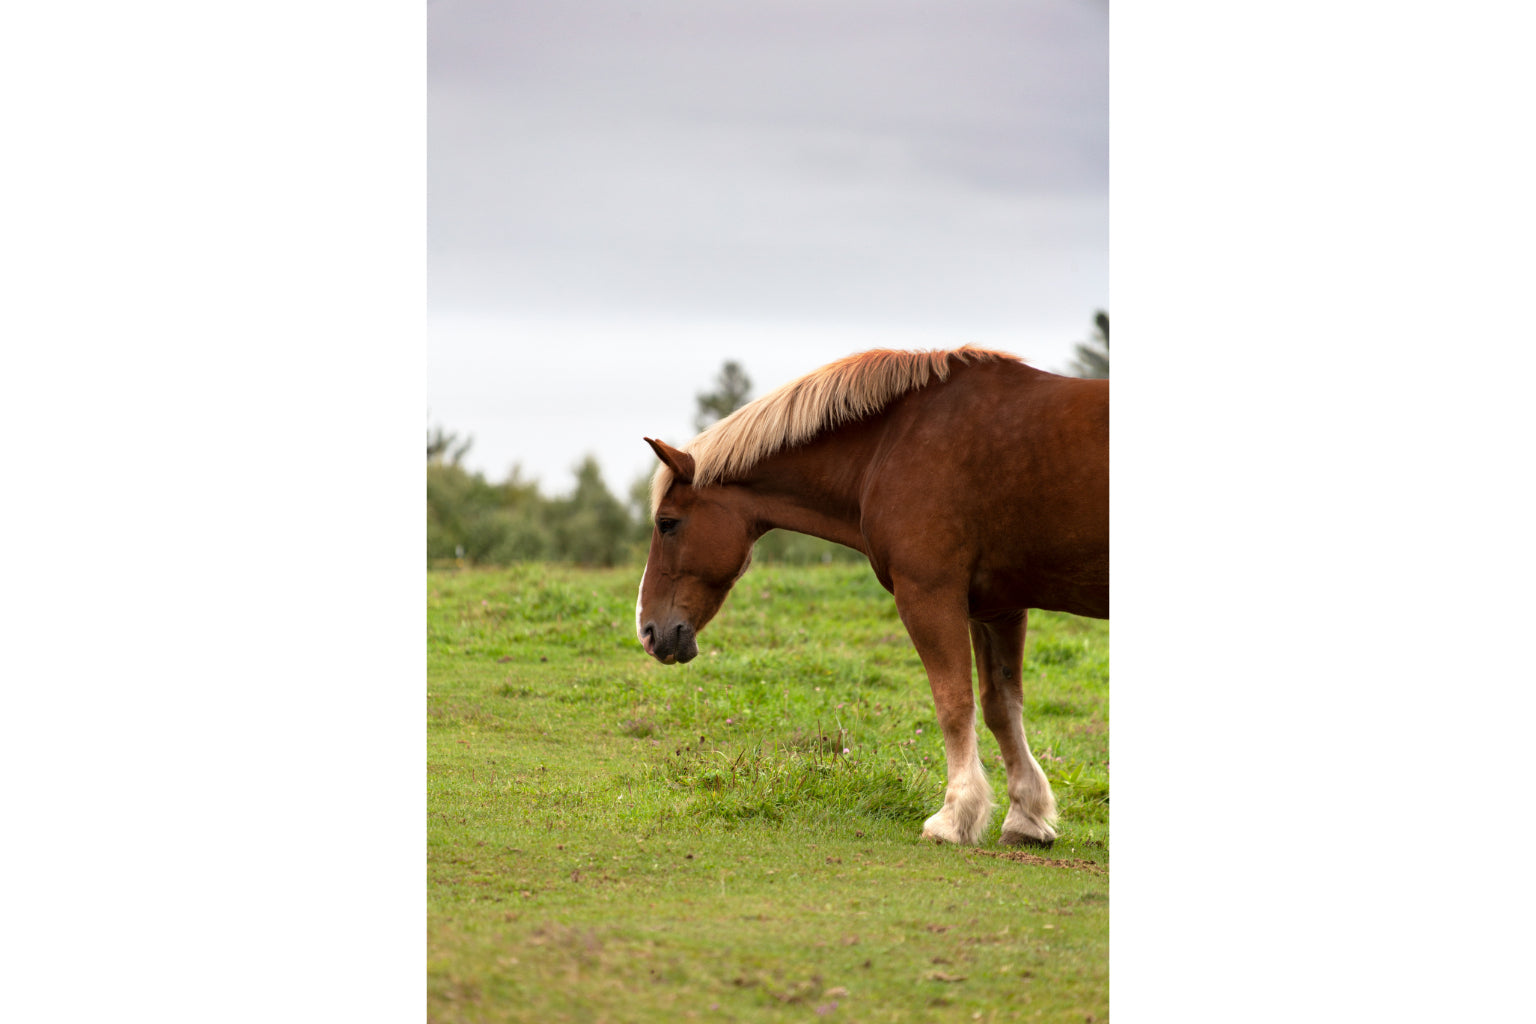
[(638, 595)]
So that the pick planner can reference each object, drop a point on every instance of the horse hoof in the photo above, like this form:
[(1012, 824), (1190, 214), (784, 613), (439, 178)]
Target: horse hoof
[(1026, 839), (938, 830)]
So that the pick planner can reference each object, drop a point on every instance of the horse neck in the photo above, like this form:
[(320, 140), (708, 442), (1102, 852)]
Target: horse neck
[(815, 488)]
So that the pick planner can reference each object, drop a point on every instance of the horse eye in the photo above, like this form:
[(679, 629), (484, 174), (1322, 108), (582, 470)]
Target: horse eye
[(666, 525)]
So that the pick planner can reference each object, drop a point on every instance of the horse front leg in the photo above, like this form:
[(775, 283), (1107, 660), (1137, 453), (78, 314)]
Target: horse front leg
[(999, 663), (938, 629)]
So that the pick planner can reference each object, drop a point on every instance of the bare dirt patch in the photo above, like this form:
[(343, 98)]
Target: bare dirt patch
[(1049, 862)]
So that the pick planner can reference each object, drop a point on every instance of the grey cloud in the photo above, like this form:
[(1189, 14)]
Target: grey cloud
[(705, 152)]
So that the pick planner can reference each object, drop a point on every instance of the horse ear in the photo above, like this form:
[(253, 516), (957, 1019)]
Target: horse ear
[(680, 463)]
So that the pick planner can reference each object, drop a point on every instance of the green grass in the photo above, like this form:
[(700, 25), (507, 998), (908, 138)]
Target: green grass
[(735, 839)]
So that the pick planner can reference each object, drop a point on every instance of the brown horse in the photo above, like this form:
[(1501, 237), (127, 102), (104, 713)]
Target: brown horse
[(977, 486)]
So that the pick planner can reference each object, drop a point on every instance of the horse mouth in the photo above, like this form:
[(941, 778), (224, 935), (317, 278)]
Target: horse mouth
[(675, 646)]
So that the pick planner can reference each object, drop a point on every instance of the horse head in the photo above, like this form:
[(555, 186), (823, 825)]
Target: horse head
[(700, 546)]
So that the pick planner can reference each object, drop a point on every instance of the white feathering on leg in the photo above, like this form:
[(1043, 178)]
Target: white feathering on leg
[(968, 803)]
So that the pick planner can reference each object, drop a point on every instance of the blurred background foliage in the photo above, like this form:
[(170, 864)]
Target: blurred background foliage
[(471, 521)]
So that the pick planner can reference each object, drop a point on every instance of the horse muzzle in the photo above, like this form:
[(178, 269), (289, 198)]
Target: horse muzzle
[(674, 645)]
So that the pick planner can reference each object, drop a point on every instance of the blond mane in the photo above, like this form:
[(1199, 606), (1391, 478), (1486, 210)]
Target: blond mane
[(838, 393)]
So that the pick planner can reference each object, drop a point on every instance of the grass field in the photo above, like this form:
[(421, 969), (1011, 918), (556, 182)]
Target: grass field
[(736, 839)]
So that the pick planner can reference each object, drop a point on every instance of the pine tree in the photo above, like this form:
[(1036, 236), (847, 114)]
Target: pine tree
[(731, 390), (1094, 361)]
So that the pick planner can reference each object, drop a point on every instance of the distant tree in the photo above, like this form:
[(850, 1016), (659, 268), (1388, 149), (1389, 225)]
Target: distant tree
[(731, 390), (445, 447), (471, 521), (474, 521), (460, 511), (639, 508), (591, 527), (1093, 355), (640, 498)]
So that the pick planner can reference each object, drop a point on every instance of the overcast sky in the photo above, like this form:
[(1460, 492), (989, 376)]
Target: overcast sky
[(624, 195)]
